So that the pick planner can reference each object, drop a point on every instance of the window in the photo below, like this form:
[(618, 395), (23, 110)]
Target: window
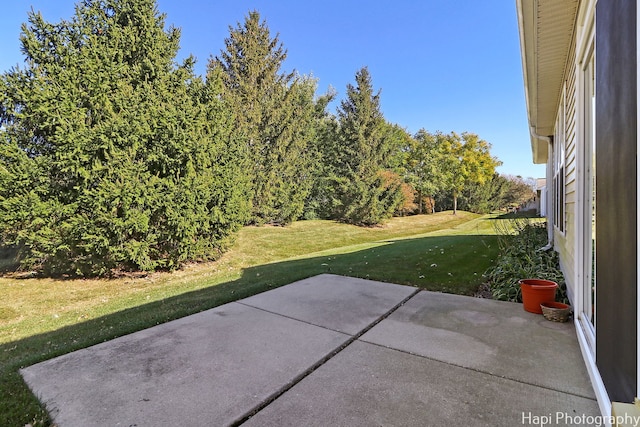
[(558, 167), (589, 189)]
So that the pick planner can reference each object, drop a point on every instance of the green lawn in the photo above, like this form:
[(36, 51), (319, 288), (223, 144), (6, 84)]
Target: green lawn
[(44, 318)]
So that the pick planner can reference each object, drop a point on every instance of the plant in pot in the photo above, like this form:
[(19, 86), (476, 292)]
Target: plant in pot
[(521, 257)]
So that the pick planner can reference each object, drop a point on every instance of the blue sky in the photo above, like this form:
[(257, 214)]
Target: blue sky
[(448, 65)]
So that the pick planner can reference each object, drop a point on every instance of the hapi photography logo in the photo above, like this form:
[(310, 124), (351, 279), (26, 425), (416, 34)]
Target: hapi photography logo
[(564, 419)]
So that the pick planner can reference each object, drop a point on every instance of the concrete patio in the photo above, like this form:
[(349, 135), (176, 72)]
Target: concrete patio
[(328, 351)]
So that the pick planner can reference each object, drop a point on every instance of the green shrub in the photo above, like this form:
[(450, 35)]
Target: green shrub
[(521, 257), (112, 156)]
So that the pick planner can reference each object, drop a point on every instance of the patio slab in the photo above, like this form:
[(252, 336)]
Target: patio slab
[(339, 303), (369, 385), (495, 337), (216, 365)]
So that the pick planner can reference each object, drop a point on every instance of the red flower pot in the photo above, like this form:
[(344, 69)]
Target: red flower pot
[(535, 292)]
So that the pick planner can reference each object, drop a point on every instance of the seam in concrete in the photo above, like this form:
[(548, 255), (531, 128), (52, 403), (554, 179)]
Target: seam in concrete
[(292, 318), (480, 371), (319, 363)]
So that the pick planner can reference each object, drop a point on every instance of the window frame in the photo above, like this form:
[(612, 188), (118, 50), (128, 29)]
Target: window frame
[(559, 150)]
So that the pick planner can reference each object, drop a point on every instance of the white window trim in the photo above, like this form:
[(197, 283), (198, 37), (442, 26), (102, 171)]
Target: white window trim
[(582, 201), (584, 42), (559, 168), (638, 196)]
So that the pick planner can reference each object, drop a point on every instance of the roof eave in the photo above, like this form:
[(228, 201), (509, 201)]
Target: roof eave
[(527, 51), (545, 29)]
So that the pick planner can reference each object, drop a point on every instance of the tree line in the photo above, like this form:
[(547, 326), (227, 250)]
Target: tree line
[(114, 157)]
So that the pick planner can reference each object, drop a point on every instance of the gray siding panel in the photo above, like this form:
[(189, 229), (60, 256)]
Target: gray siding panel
[(616, 245)]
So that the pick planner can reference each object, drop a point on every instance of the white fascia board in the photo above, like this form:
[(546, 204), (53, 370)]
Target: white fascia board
[(528, 53)]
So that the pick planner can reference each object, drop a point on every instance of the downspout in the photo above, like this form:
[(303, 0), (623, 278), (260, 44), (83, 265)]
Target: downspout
[(546, 247), (549, 140), (540, 137)]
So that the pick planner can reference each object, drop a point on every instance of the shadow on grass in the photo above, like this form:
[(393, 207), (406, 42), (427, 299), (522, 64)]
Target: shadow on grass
[(9, 259), (452, 264)]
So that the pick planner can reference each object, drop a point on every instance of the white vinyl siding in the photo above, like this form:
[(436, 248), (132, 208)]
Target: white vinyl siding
[(564, 176)]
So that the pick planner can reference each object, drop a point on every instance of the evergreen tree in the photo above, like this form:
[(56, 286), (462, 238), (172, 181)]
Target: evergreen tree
[(109, 158), (363, 153), (321, 199), (274, 113)]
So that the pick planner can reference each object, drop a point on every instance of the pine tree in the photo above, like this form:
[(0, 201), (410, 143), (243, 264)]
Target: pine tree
[(321, 201), (274, 113), (363, 152), (110, 159)]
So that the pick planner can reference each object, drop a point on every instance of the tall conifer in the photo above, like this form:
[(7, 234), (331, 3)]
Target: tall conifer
[(108, 158), (274, 113), (363, 151)]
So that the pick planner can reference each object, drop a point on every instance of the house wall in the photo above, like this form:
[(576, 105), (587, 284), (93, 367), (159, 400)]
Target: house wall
[(566, 134), (616, 193)]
